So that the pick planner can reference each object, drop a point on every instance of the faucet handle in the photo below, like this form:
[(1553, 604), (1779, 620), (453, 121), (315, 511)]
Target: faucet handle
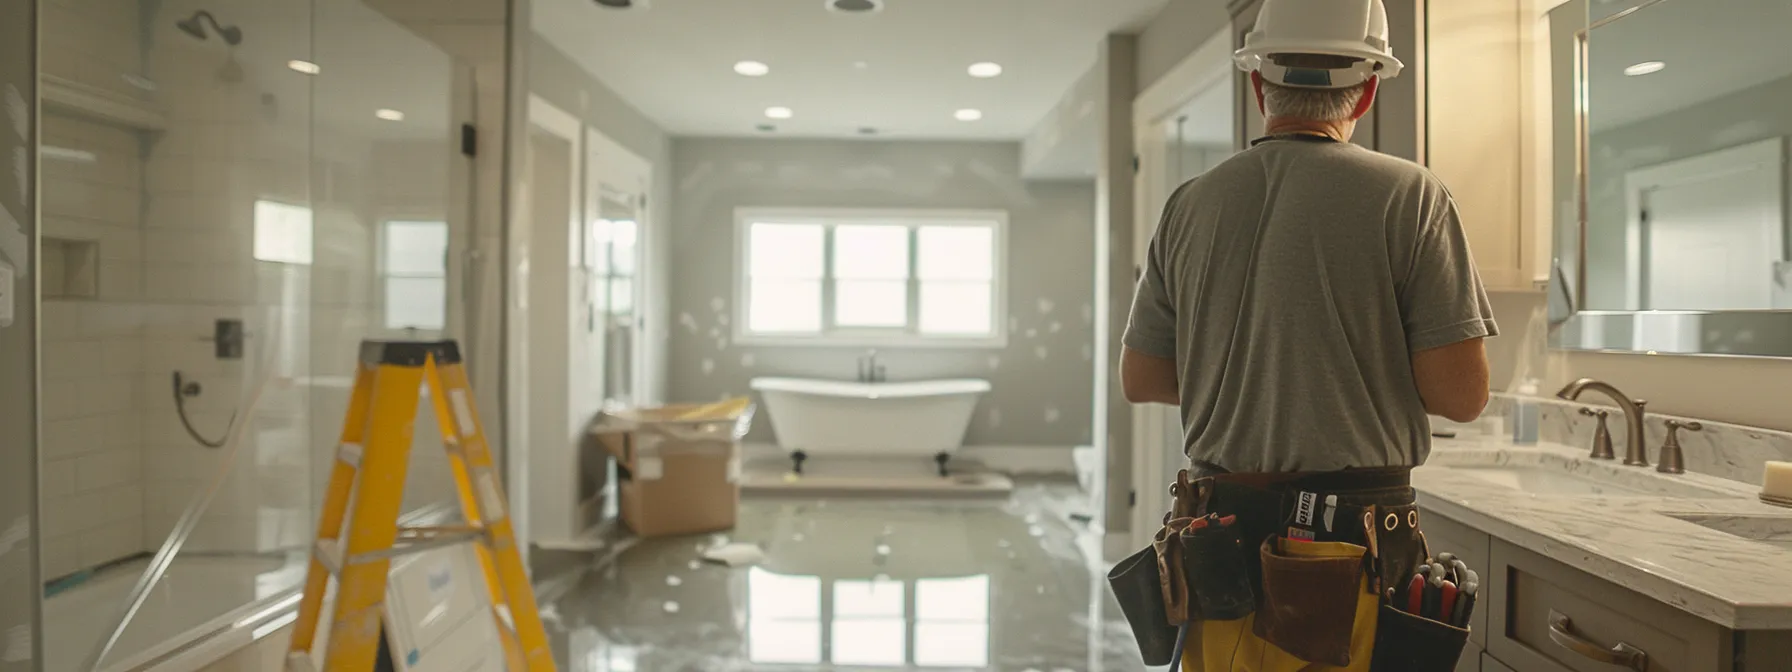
[(1672, 459), (1602, 437)]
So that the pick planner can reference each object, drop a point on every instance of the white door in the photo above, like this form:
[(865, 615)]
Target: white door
[(1707, 232), (619, 182), (1713, 243), (1173, 149)]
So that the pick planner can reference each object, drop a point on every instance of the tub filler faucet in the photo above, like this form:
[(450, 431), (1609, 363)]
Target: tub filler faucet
[(869, 370)]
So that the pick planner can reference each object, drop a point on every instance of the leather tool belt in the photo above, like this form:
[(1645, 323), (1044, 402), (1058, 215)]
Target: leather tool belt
[(1221, 555)]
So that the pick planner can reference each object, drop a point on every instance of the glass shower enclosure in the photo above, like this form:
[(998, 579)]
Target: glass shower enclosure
[(235, 193)]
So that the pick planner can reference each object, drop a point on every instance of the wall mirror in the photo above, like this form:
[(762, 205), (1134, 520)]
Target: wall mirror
[(1679, 115)]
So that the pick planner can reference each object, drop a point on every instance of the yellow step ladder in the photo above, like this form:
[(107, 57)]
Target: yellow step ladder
[(366, 494)]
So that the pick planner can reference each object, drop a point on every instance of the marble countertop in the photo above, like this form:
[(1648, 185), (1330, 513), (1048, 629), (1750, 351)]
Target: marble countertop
[(1630, 540)]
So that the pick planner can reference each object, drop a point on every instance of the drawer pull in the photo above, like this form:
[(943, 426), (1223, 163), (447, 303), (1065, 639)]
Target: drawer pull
[(1561, 631)]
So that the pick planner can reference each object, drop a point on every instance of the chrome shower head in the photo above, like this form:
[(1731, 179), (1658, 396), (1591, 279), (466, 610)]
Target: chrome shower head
[(195, 25)]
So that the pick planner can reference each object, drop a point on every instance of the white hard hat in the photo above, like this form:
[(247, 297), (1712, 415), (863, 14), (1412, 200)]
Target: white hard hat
[(1351, 28)]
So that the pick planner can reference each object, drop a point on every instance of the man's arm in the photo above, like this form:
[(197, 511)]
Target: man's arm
[(1147, 379), (1148, 353), (1447, 315), (1452, 379)]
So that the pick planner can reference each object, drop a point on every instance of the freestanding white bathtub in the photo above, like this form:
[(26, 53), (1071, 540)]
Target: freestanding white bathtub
[(831, 418)]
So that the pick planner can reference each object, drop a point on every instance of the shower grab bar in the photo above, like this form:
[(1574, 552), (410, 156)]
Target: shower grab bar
[(189, 519)]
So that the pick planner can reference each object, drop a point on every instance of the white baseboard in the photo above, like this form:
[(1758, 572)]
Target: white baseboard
[(1012, 460)]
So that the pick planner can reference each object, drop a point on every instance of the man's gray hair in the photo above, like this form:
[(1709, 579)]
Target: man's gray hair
[(1312, 104)]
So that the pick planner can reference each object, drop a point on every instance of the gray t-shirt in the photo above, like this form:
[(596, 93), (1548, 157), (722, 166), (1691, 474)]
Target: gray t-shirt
[(1291, 284)]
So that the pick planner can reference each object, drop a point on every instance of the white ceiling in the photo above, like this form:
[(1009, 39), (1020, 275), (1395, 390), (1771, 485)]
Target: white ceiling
[(1711, 48), (674, 61)]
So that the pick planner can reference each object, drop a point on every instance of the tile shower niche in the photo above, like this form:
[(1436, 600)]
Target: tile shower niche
[(71, 268)]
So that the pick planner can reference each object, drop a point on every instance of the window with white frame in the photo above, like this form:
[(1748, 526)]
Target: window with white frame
[(282, 233), (414, 270), (925, 277)]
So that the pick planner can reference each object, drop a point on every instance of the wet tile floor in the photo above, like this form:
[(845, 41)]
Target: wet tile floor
[(847, 584)]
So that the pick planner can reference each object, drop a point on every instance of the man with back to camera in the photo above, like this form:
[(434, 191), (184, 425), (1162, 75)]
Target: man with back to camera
[(1306, 303)]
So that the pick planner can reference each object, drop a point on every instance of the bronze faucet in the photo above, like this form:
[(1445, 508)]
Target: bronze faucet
[(1602, 439), (1672, 461), (1633, 416)]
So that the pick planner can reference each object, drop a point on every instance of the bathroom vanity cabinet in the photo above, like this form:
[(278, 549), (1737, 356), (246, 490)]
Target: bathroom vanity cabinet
[(1541, 615)]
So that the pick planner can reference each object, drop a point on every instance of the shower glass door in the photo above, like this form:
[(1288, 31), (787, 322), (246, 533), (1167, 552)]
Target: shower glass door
[(237, 192)]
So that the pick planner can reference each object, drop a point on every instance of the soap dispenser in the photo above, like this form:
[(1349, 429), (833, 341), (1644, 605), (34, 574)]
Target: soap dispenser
[(1525, 414)]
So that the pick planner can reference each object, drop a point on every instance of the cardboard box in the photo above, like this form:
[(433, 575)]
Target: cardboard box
[(678, 466)]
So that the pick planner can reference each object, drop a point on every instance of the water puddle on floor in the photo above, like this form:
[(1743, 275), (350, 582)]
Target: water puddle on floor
[(854, 584)]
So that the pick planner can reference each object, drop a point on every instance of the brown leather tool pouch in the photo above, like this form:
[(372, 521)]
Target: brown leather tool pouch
[(1172, 576), (1408, 643), (1309, 603), (1400, 547), (1217, 574)]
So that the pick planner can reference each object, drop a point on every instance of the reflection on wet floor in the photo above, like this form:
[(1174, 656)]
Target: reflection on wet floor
[(850, 584)]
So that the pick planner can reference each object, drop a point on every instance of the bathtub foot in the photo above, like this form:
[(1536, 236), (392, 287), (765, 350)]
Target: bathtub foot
[(796, 461), (941, 459)]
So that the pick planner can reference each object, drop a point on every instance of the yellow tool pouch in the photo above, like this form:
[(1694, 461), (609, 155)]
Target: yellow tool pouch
[(1345, 644)]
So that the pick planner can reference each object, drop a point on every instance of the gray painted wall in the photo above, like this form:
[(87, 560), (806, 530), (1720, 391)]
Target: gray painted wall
[(21, 645), (558, 79), (1042, 381), (1747, 116), (1176, 32)]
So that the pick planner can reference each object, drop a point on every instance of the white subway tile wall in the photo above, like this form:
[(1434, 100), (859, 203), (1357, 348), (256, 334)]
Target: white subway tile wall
[(173, 216), (93, 352)]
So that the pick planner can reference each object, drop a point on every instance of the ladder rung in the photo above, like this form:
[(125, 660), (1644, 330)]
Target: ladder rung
[(410, 540), (329, 552)]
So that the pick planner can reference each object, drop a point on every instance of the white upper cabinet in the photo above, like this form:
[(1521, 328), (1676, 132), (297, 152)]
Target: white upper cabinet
[(1486, 91)]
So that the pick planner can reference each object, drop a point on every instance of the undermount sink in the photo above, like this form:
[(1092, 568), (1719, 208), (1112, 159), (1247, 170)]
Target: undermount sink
[(1549, 482), (1550, 475), (1763, 529)]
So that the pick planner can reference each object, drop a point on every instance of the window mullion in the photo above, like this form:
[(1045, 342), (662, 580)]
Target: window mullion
[(827, 279), (914, 280)]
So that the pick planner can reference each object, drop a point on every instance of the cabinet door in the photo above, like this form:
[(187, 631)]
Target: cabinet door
[(1492, 664), (1471, 545), (1554, 618), (1471, 659), (1473, 117)]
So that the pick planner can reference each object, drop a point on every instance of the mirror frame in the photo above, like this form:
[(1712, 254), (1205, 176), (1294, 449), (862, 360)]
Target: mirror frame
[(1729, 333)]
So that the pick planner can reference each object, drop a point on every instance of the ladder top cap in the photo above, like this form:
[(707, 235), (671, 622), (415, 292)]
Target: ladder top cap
[(408, 353)]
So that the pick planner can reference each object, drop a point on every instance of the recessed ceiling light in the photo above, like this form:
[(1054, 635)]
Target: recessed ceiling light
[(306, 67), (860, 65), (752, 68), (779, 112), (1644, 68), (389, 115), (968, 115), (985, 70)]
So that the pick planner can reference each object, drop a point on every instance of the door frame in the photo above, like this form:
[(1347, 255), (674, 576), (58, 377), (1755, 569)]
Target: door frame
[(519, 404), (1209, 65)]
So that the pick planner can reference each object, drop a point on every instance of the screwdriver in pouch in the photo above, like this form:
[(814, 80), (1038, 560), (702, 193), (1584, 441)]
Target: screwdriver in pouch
[(1415, 591)]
